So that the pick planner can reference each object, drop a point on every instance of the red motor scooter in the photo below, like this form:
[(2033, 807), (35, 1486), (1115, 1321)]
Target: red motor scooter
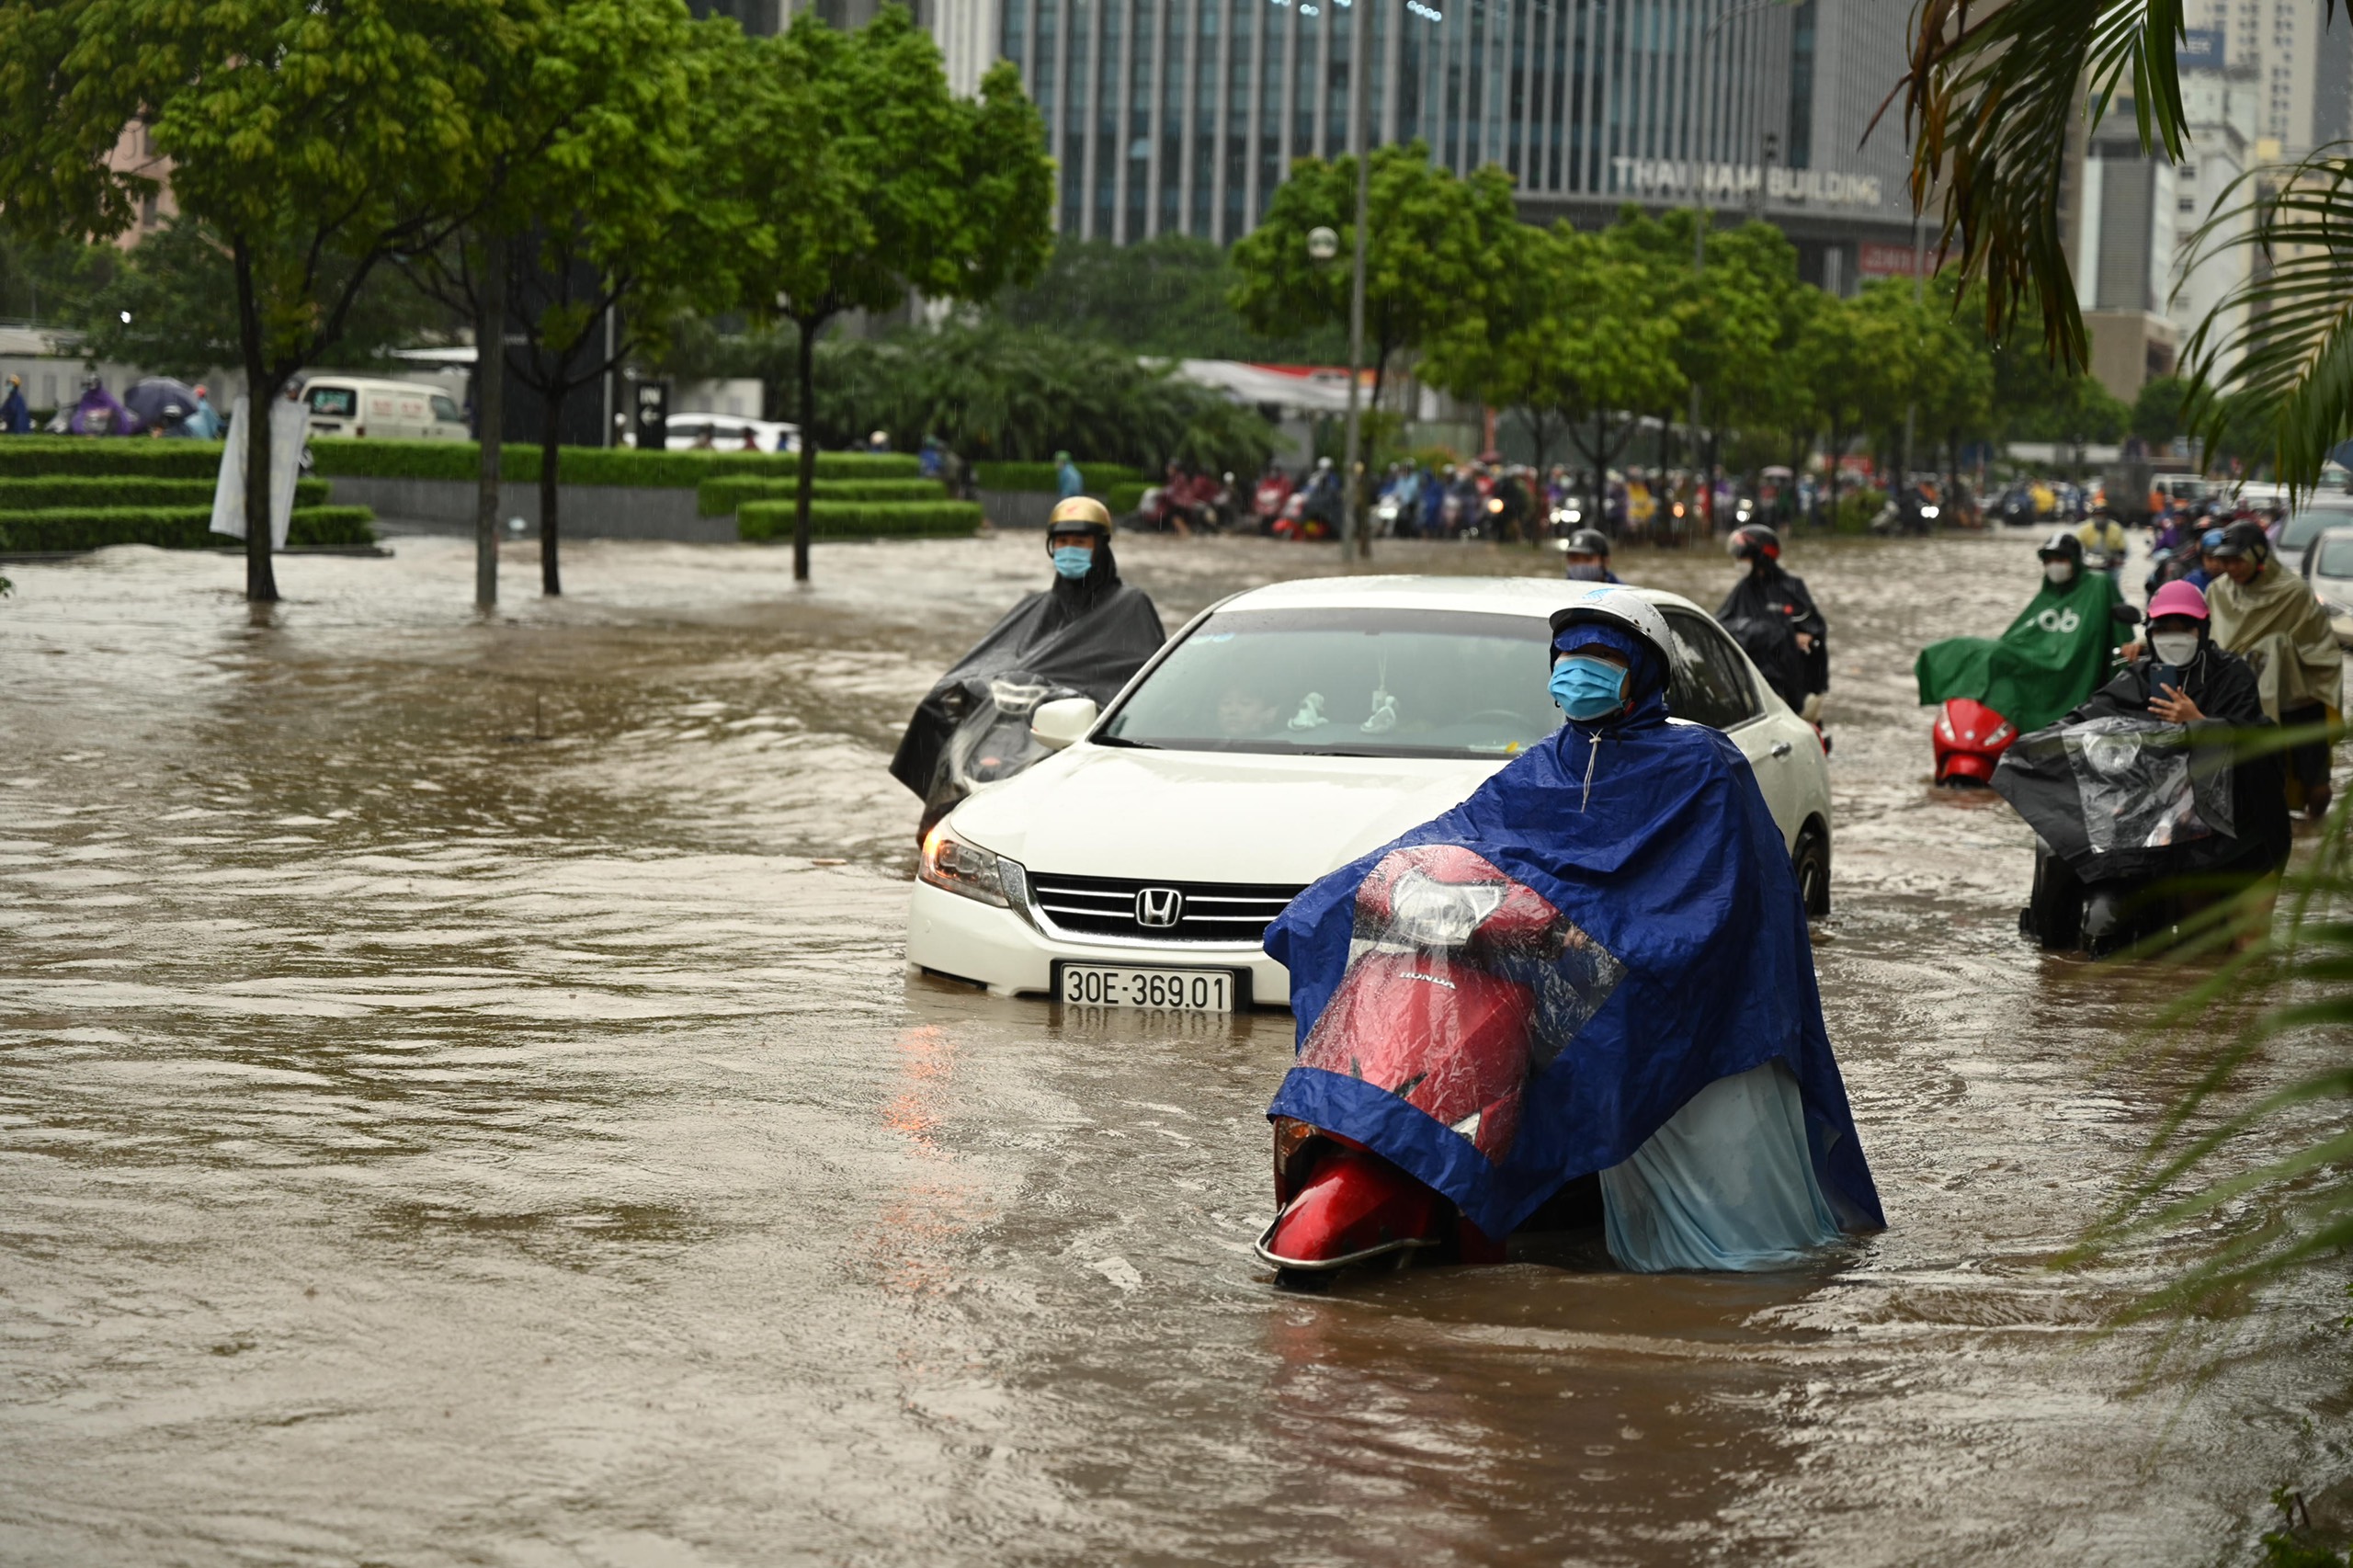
[(1440, 1007), (1969, 738)]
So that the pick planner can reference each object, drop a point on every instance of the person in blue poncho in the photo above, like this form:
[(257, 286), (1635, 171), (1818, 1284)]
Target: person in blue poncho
[(1596, 965)]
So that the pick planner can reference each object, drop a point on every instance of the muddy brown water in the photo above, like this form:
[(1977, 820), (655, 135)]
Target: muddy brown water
[(460, 1102)]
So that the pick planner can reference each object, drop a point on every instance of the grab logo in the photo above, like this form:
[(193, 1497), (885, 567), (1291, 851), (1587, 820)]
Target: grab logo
[(2059, 622)]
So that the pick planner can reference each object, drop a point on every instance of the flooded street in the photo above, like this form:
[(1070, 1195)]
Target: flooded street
[(460, 1102)]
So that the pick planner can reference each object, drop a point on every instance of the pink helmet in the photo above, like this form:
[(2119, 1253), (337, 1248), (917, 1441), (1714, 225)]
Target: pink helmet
[(2177, 598)]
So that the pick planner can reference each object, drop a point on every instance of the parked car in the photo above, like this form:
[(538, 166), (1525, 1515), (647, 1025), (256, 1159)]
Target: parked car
[(1282, 734), (2308, 522), (727, 431), (2328, 567), (346, 406)]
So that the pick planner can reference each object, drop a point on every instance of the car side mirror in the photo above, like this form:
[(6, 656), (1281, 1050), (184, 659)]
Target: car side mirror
[(2125, 615), (1056, 724)]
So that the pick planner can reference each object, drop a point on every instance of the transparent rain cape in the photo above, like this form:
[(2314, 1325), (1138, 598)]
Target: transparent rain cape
[(1573, 968)]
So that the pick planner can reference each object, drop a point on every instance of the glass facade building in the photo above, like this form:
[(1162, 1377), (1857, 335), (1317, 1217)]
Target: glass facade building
[(1181, 116)]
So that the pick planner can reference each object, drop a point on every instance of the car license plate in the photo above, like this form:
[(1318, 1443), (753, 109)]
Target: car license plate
[(1118, 985)]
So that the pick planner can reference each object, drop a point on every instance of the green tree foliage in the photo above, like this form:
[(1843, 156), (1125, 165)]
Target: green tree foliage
[(861, 178), (1164, 297), (1577, 331), (2156, 412), (178, 286), (314, 140), (604, 204), (999, 392), (1430, 262)]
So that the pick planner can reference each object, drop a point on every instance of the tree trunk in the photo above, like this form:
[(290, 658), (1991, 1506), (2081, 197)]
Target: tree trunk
[(261, 389), (490, 412), (807, 376), (551, 453)]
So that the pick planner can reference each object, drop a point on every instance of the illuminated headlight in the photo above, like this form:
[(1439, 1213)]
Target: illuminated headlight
[(971, 871), (1928, 512), (1430, 914), (1576, 516)]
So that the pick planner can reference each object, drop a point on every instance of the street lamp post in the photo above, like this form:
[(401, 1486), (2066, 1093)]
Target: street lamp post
[(1353, 530), (1699, 218)]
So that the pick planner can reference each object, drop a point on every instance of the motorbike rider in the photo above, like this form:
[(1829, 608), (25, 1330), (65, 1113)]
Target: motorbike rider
[(2055, 655), (1588, 557), (2104, 537), (1770, 614), (1087, 634), (2269, 617), (2181, 674), (1704, 1095)]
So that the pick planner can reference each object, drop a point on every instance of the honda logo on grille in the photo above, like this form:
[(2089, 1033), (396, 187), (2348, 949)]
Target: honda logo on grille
[(1158, 908)]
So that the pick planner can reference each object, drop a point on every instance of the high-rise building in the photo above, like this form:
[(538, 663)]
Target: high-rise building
[(2299, 57), (1182, 116)]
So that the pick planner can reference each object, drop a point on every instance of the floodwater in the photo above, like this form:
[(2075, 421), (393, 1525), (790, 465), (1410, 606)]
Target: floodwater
[(460, 1102)]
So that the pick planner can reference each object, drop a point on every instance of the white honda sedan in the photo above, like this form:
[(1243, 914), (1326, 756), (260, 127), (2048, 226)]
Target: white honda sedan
[(1280, 734)]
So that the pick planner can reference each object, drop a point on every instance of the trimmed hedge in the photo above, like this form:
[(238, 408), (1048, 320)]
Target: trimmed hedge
[(171, 527), (590, 465), (859, 519), (717, 497), (82, 492), (1124, 498), (159, 457), (1099, 477)]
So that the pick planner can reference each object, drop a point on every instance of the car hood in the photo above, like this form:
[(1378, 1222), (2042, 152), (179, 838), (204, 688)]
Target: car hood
[(1210, 816)]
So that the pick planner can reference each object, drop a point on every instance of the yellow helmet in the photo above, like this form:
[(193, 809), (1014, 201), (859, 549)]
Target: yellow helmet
[(1075, 512)]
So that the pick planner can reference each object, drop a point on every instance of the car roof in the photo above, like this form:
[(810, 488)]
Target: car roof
[(1536, 598)]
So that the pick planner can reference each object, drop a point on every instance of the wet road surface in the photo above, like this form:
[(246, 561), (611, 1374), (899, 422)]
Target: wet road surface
[(461, 1102)]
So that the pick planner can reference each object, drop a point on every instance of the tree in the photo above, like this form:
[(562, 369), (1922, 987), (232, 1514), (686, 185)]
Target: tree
[(1431, 257), (862, 178), (314, 138), (178, 288), (2156, 412), (1165, 297), (1572, 331), (600, 207)]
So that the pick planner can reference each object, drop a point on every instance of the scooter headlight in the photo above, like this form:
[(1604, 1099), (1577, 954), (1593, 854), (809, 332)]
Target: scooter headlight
[(971, 871), (1430, 914), (1929, 512)]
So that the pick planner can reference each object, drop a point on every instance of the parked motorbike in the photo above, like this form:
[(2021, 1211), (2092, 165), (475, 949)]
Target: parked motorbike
[(1438, 1005), (1969, 739)]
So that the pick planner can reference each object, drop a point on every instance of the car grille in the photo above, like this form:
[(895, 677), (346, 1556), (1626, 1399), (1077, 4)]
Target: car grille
[(1108, 907)]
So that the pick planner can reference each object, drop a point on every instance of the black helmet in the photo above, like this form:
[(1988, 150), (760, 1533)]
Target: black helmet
[(1752, 540), (1589, 541), (2063, 546), (2246, 539)]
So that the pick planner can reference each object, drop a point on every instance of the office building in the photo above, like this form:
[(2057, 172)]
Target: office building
[(1181, 116)]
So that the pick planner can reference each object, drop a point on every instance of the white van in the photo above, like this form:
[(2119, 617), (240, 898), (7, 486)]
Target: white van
[(362, 405)]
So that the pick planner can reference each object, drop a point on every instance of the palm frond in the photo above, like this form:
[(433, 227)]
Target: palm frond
[(2282, 337), (1989, 100), (2288, 976)]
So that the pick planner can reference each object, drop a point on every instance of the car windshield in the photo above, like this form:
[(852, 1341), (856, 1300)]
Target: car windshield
[(1346, 682), (2302, 527), (2335, 557)]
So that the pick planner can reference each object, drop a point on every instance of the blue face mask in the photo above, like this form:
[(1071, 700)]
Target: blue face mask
[(1071, 561), (1588, 687), (1588, 572)]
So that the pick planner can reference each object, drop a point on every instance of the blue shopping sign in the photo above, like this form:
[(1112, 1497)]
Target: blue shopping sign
[(2201, 50)]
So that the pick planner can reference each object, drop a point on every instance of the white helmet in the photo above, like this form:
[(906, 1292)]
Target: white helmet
[(1616, 605)]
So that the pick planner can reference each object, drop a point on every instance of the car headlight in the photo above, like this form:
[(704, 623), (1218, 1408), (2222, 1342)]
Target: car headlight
[(971, 871)]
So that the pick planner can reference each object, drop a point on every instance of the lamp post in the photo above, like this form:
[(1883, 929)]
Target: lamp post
[(1353, 531), (1699, 218)]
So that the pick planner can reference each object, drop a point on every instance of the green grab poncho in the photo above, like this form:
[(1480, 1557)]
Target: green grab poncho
[(2055, 655)]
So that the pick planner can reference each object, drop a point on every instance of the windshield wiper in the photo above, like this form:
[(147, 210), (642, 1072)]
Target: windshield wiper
[(1131, 746)]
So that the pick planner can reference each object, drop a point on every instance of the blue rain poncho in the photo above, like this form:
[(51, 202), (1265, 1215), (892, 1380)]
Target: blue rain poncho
[(1680, 967)]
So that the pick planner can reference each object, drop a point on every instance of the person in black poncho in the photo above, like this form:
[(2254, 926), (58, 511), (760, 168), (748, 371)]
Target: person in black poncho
[(1085, 635), (1771, 615)]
